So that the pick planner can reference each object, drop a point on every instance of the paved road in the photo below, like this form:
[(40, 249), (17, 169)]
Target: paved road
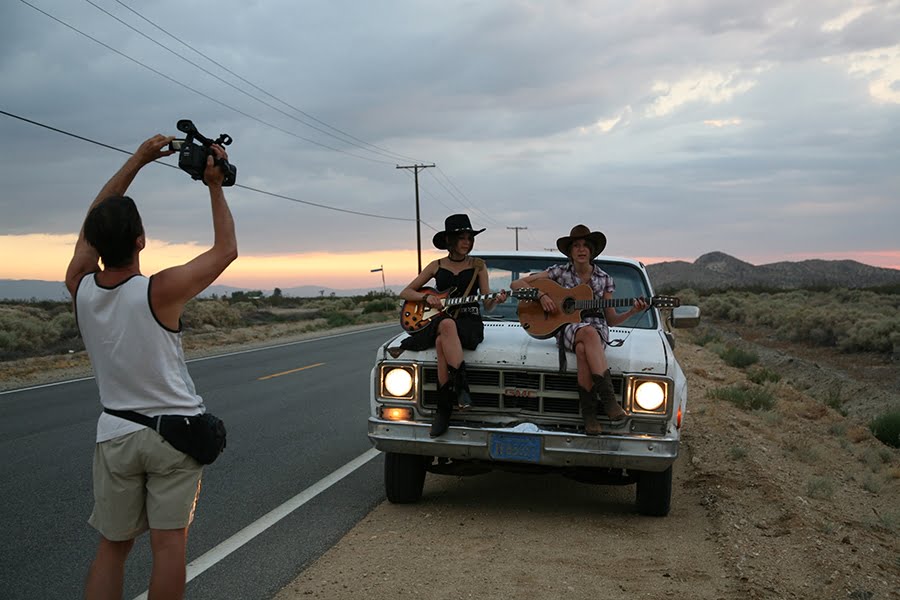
[(295, 414)]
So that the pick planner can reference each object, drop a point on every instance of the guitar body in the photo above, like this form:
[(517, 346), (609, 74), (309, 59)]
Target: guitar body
[(542, 325), (415, 316), (570, 306)]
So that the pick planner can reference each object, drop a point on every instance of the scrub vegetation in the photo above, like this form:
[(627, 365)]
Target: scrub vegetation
[(850, 320), (30, 329)]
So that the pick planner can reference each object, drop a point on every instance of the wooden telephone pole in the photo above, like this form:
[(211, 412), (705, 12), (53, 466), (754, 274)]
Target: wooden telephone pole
[(517, 234), (415, 169)]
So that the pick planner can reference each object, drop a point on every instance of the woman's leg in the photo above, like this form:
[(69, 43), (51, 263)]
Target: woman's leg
[(452, 357), (594, 352), (598, 379), (449, 348), (449, 353)]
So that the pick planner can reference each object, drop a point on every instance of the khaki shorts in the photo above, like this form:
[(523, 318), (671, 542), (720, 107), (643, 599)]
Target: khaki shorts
[(140, 483)]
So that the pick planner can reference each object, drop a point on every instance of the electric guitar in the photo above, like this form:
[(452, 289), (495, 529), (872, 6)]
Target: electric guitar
[(415, 316), (570, 302)]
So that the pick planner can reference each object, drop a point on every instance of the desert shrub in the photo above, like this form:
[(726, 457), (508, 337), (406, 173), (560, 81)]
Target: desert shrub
[(762, 375), (745, 397), (338, 319), (736, 357), (706, 336), (834, 399), (215, 313), (380, 305), (820, 487), (886, 428), (737, 452), (850, 320)]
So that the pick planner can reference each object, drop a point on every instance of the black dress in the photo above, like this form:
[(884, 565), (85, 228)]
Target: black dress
[(468, 318)]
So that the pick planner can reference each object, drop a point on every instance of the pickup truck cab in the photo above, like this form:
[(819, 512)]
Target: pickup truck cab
[(525, 413)]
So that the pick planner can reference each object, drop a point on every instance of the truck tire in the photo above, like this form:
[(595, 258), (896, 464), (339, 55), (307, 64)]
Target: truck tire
[(654, 493), (404, 477)]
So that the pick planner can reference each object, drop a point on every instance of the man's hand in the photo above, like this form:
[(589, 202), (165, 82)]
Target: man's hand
[(214, 176), (153, 149)]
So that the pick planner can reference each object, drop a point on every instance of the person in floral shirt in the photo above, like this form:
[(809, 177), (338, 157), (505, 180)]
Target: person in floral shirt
[(587, 339)]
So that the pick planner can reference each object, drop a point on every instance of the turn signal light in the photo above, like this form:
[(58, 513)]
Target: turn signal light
[(393, 413)]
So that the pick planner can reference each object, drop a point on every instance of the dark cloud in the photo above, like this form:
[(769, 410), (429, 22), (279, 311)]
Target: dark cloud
[(505, 97)]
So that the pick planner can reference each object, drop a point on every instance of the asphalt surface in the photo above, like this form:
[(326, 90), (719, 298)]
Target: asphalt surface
[(295, 414)]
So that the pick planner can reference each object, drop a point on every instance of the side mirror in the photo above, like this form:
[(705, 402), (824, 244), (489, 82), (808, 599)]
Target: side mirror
[(685, 316)]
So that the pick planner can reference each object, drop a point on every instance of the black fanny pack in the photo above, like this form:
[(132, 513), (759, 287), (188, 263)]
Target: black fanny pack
[(200, 436)]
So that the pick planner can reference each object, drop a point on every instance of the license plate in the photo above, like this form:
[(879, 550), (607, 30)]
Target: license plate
[(522, 448)]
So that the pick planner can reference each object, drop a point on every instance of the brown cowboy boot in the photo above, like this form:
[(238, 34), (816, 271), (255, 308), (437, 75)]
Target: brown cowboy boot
[(603, 388), (444, 410), (588, 402), (460, 385)]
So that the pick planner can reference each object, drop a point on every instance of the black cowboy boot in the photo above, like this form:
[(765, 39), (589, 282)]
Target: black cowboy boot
[(444, 409), (603, 388), (588, 401), (460, 385)]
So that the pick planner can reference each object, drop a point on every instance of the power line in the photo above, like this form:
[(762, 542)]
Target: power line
[(223, 67), (187, 87), (470, 205), (245, 187), (228, 83)]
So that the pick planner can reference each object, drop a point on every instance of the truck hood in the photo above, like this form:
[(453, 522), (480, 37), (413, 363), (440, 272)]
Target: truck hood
[(506, 343)]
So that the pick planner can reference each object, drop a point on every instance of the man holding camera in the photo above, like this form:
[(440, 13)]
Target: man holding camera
[(131, 326)]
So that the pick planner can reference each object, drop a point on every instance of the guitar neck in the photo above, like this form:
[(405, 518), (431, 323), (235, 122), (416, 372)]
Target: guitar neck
[(469, 299), (591, 304)]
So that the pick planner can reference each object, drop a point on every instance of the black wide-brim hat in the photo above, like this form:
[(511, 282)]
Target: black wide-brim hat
[(453, 224), (581, 232)]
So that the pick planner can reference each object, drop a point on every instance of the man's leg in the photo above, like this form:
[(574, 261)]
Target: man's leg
[(169, 547), (107, 573)]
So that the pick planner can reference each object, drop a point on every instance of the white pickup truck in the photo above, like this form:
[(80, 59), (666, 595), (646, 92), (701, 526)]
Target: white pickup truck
[(525, 413)]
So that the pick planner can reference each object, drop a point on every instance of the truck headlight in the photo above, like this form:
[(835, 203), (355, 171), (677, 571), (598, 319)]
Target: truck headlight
[(650, 395), (398, 382)]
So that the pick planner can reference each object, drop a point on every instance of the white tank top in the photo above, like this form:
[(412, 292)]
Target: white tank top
[(138, 362)]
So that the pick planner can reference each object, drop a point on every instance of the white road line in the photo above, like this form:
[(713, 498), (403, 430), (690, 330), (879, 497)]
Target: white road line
[(327, 337), (199, 565)]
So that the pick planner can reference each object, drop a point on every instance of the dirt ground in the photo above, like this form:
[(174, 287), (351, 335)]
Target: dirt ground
[(797, 502)]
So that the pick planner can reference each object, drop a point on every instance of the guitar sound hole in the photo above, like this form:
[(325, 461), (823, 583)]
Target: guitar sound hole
[(568, 305)]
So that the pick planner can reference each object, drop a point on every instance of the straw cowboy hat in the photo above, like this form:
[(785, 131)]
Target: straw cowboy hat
[(453, 224), (596, 240)]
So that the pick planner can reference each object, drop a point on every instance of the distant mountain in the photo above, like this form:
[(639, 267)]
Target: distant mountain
[(34, 289), (719, 270)]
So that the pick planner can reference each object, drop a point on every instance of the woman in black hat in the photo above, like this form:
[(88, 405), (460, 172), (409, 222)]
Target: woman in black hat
[(588, 338), (449, 334)]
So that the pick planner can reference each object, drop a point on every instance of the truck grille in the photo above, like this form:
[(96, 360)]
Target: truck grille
[(494, 390)]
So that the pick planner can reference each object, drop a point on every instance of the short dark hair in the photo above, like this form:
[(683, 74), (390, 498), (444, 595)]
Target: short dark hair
[(112, 228)]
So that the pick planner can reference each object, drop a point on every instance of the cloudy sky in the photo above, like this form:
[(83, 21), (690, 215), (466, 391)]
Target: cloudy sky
[(769, 130)]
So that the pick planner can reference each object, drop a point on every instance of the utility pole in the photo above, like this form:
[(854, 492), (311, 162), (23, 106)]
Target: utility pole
[(383, 284), (517, 234), (415, 169)]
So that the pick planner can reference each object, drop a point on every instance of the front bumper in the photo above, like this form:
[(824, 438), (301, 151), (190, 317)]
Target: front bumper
[(625, 451)]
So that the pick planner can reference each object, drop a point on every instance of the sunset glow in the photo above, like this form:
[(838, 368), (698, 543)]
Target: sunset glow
[(44, 257)]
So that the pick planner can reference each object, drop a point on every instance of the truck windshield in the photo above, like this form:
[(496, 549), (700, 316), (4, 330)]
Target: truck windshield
[(629, 280)]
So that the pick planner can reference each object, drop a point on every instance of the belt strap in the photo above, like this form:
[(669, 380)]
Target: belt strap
[(135, 417)]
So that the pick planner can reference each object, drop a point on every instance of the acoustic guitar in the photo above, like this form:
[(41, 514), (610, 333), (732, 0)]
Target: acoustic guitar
[(415, 316), (570, 304)]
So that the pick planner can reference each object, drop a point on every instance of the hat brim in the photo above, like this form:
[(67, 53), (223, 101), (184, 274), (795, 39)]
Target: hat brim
[(440, 238), (595, 238)]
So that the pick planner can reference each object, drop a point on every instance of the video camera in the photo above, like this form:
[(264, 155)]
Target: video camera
[(192, 157)]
